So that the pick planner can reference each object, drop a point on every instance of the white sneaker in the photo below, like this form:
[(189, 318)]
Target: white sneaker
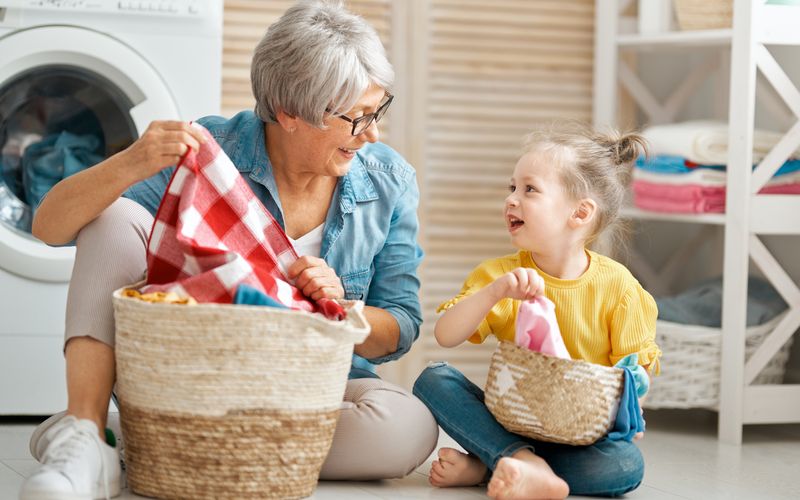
[(39, 441), (76, 464)]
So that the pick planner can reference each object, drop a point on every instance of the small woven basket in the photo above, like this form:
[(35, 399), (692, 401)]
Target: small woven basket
[(229, 401), (704, 14), (552, 399), (691, 361)]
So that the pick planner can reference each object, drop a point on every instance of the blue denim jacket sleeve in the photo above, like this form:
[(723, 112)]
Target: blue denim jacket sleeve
[(395, 285), (148, 193)]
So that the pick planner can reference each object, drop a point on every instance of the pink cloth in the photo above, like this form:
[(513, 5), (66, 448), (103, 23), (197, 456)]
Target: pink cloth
[(537, 328), (692, 198), (211, 234)]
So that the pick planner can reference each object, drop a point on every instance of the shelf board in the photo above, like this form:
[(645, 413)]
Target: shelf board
[(775, 214), (778, 27), (769, 214), (638, 213), (676, 39), (779, 24)]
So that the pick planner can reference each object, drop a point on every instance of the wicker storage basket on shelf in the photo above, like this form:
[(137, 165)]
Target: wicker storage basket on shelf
[(691, 363), (227, 401), (704, 14), (552, 399)]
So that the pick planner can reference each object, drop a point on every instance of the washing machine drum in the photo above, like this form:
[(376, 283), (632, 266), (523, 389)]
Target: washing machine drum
[(54, 122)]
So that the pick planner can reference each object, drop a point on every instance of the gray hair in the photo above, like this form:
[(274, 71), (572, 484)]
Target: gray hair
[(317, 56), (594, 164)]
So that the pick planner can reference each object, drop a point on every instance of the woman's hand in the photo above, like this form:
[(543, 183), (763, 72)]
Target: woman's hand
[(160, 146), (522, 283), (315, 279)]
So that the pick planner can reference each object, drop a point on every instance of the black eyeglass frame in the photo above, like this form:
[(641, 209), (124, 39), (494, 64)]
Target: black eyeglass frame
[(369, 117)]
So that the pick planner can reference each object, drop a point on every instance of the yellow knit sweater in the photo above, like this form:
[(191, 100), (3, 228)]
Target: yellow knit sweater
[(604, 315)]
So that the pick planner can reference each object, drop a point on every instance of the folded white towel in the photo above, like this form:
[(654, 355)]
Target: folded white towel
[(704, 141)]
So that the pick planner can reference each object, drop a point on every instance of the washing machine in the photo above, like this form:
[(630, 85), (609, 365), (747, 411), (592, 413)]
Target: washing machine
[(79, 80)]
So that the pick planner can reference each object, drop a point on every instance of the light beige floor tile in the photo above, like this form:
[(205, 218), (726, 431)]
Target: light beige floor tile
[(416, 485), (329, 490), (683, 461), (14, 441), (10, 483), (23, 467)]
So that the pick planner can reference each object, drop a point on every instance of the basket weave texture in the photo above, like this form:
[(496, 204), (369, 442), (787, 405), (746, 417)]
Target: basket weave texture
[(691, 364), (552, 399), (704, 14), (228, 401)]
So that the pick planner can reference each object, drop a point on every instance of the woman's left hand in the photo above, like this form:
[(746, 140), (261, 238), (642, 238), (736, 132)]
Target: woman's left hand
[(316, 279)]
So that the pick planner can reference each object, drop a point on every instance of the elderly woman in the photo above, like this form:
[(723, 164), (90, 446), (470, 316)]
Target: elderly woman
[(310, 153)]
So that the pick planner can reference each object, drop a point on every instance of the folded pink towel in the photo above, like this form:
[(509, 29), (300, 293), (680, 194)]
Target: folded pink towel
[(537, 328), (692, 198)]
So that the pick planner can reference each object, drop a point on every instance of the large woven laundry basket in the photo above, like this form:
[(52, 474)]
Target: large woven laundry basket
[(229, 401), (692, 358), (552, 399)]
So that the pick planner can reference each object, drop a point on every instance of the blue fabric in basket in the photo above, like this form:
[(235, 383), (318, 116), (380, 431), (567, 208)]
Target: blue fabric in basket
[(247, 295), (629, 416)]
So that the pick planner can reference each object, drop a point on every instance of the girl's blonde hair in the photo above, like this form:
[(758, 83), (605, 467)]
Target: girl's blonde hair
[(593, 164)]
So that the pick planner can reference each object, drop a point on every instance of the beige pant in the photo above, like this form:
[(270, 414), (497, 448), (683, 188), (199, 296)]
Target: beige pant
[(383, 431)]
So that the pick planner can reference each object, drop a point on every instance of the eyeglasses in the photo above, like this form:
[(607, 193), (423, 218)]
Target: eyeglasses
[(362, 123)]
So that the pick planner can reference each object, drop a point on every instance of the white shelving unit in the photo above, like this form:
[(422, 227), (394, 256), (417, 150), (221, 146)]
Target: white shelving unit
[(756, 25)]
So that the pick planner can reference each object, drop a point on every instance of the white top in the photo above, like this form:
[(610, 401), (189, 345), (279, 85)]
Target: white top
[(310, 243)]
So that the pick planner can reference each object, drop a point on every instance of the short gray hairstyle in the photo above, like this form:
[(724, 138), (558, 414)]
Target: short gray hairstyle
[(317, 56)]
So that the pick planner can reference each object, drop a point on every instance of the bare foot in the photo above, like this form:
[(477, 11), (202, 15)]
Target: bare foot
[(526, 476), (456, 469)]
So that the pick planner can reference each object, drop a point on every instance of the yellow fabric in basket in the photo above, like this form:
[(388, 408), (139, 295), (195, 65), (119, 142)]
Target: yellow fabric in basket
[(163, 297), (604, 315)]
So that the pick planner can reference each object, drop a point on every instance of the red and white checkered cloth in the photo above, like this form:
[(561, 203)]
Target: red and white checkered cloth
[(212, 234)]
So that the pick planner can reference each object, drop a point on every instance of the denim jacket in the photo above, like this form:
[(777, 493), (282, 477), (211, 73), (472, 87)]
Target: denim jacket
[(370, 233)]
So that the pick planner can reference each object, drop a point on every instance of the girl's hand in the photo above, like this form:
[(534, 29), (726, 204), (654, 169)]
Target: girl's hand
[(315, 279), (160, 146), (522, 283)]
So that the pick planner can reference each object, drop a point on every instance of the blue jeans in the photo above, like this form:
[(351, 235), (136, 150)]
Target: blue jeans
[(605, 468)]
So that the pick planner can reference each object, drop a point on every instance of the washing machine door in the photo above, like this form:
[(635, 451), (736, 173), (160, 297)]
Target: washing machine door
[(69, 98)]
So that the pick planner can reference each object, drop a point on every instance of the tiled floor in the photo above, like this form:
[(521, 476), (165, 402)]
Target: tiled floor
[(683, 457)]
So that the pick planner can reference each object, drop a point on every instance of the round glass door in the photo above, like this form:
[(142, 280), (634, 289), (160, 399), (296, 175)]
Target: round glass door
[(71, 93), (55, 121)]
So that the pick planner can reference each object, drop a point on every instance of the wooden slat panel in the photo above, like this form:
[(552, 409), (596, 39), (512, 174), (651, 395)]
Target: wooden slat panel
[(495, 70)]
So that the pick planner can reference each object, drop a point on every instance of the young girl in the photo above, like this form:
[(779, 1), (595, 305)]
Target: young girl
[(567, 189)]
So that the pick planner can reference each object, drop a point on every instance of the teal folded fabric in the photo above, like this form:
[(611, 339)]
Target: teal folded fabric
[(54, 158), (638, 373), (629, 419), (702, 304)]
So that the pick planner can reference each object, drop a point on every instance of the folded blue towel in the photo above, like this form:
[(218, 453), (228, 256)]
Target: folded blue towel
[(667, 164), (629, 416)]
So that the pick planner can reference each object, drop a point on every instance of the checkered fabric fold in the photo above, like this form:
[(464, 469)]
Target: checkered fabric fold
[(211, 234)]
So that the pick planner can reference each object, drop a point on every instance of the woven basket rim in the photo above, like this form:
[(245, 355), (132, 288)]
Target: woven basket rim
[(355, 320), (556, 359), (702, 332)]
